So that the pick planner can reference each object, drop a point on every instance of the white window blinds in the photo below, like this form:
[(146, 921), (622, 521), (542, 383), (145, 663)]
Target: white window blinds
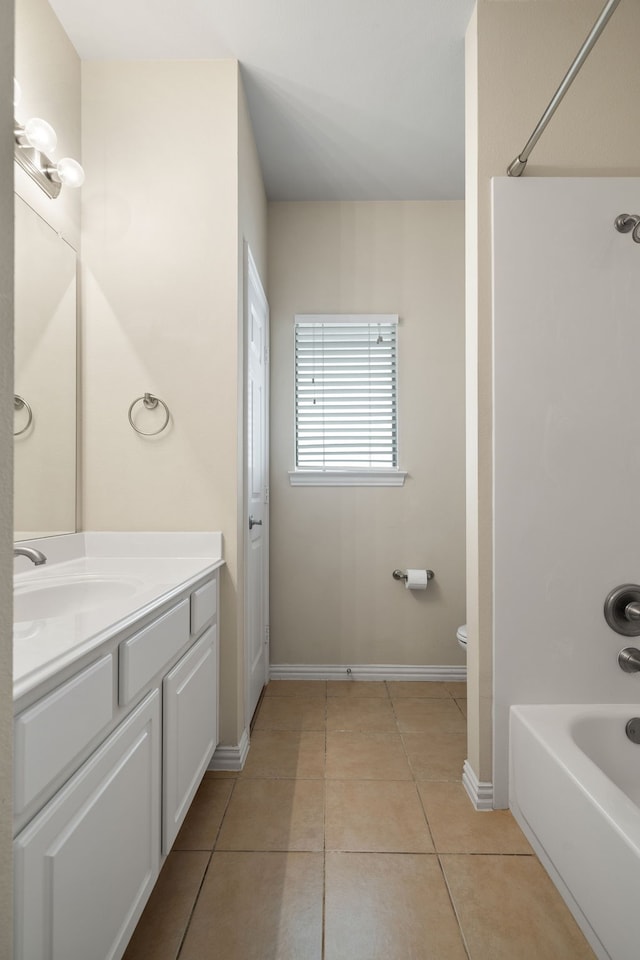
[(346, 392)]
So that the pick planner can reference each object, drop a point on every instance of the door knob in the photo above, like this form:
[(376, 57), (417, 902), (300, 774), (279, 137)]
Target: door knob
[(254, 523)]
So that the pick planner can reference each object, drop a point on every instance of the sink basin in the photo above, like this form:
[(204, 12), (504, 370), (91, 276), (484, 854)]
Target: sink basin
[(65, 596)]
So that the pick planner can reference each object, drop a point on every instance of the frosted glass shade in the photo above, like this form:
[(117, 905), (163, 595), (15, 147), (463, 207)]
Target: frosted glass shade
[(70, 172), (40, 135)]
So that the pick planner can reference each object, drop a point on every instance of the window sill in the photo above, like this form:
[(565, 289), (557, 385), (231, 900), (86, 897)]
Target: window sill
[(347, 478)]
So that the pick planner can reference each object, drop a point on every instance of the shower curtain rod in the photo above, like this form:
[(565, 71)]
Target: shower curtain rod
[(516, 167)]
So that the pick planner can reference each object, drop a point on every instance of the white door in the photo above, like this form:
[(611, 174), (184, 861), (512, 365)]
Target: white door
[(257, 490)]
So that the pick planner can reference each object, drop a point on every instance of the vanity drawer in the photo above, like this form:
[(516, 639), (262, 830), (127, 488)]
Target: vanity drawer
[(145, 654), (204, 605), (50, 734)]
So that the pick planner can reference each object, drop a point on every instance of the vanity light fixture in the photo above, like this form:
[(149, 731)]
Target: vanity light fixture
[(33, 142)]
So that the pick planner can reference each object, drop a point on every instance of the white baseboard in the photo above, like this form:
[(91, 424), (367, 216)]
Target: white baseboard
[(480, 792), (231, 758), (366, 671)]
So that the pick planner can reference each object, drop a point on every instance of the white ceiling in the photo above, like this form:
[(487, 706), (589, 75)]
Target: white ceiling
[(349, 99)]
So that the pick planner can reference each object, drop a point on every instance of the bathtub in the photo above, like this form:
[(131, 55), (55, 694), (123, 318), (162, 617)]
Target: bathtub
[(574, 788)]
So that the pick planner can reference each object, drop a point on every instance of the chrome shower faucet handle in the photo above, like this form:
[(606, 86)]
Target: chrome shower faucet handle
[(629, 660)]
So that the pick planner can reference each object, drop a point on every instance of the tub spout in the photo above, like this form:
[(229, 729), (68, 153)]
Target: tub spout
[(36, 556), (629, 660)]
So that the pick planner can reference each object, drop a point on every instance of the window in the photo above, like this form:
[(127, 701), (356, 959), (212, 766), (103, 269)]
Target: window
[(346, 399)]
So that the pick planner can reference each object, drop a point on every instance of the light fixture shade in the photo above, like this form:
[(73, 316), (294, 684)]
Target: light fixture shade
[(40, 135), (17, 92), (70, 172)]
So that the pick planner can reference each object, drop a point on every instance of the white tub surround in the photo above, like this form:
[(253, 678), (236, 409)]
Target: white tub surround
[(116, 720), (566, 471), (131, 574), (574, 788)]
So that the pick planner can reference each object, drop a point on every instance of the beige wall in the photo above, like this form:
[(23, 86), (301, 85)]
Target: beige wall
[(48, 70), (161, 235), (252, 199), (333, 549), (517, 54), (6, 476)]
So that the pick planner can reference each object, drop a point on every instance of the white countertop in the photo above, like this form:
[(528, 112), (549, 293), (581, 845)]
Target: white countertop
[(155, 567)]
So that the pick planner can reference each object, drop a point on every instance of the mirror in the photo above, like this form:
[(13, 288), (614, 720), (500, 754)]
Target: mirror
[(45, 379)]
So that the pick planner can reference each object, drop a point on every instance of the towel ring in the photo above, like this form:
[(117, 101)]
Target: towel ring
[(150, 403), (18, 404)]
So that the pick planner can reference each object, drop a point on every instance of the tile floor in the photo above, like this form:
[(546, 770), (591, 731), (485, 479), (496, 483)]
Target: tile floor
[(349, 836)]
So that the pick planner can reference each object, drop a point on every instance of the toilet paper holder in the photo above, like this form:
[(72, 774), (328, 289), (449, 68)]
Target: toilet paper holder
[(401, 575)]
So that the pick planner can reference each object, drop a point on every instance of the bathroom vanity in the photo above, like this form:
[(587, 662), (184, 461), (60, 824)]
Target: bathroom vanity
[(114, 729)]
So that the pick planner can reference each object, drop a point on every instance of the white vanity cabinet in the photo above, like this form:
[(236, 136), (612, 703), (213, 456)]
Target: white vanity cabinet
[(86, 864), (106, 766)]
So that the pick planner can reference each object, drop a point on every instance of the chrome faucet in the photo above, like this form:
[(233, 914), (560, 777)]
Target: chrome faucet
[(31, 553)]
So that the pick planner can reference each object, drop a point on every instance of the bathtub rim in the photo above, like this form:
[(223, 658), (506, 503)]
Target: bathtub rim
[(541, 720), (551, 727)]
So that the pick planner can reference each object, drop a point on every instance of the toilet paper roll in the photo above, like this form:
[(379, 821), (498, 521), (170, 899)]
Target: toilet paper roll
[(416, 580)]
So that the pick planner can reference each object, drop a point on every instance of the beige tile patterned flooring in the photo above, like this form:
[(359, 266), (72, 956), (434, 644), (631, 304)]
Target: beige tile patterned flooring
[(349, 836)]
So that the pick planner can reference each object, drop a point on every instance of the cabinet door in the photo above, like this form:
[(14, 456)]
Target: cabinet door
[(85, 866), (190, 712)]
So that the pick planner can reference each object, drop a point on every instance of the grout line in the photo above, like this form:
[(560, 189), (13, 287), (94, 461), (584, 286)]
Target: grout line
[(323, 935), (459, 707), (323, 932), (422, 806), (480, 853), (224, 813), (193, 907), (206, 869), (454, 908), (324, 831), (380, 854)]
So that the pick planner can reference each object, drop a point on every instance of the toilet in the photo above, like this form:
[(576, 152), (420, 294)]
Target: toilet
[(461, 635)]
